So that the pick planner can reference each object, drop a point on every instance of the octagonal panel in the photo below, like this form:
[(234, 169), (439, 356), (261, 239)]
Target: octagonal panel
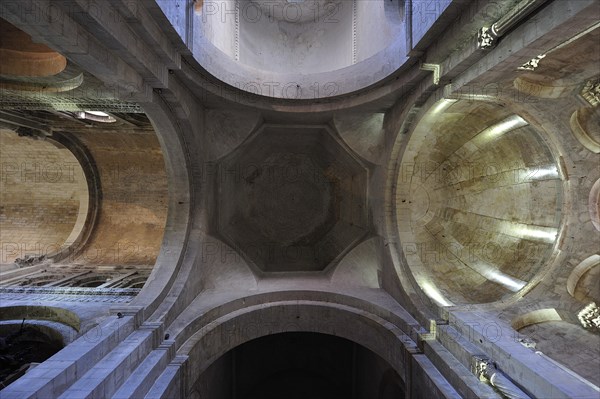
[(292, 198)]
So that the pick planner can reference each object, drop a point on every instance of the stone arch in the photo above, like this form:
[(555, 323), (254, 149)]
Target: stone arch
[(594, 204), (298, 365), (50, 313), (580, 124), (543, 89), (86, 222), (578, 273), (176, 231), (366, 329), (91, 280), (535, 317), (57, 331)]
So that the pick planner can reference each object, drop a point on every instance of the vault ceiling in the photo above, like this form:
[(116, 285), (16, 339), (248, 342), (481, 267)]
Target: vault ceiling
[(292, 198)]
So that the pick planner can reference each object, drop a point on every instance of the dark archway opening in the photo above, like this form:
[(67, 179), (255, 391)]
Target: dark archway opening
[(22, 346), (299, 365)]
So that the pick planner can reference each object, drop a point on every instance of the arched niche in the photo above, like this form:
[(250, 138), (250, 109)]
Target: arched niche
[(584, 126), (594, 204), (583, 281)]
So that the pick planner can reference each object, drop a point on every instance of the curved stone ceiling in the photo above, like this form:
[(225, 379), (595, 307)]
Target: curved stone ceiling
[(44, 197), (475, 188), (292, 198), (300, 49), (21, 56), (26, 66), (293, 11)]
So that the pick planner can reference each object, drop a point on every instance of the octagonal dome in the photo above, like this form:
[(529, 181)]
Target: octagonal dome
[(292, 198)]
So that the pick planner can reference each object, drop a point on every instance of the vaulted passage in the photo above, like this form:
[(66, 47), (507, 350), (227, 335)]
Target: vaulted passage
[(299, 366), (83, 200)]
